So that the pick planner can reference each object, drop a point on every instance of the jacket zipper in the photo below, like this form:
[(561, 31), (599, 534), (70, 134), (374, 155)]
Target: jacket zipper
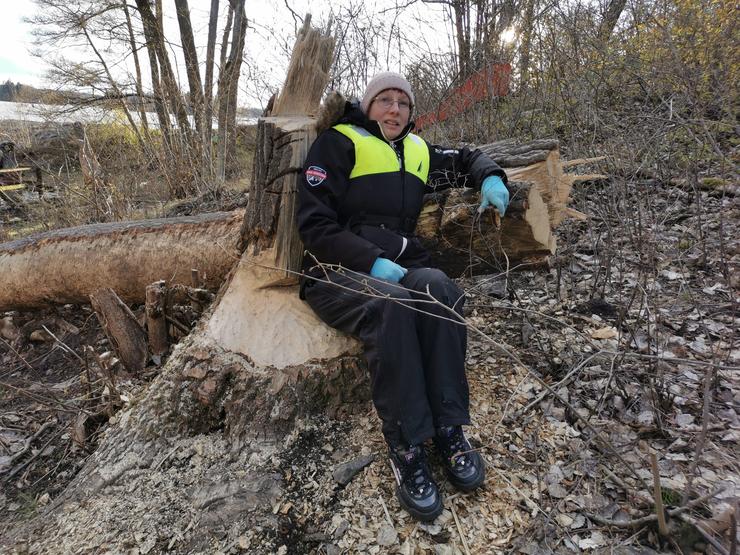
[(402, 169)]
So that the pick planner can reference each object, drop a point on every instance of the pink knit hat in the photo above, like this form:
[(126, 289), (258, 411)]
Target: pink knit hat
[(383, 81)]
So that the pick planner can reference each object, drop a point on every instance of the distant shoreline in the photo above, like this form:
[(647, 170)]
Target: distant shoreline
[(26, 112)]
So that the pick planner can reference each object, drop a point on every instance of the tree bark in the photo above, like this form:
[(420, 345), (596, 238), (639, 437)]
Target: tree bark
[(208, 93), (191, 64), (165, 124), (611, 17), (227, 90), (155, 39), (137, 67), (526, 45)]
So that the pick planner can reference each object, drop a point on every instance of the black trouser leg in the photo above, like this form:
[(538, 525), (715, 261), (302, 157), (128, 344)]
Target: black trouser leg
[(443, 345), (416, 361)]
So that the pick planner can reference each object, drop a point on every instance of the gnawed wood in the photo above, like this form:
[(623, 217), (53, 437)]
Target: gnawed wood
[(121, 328), (259, 314), (308, 73), (461, 240), (67, 265)]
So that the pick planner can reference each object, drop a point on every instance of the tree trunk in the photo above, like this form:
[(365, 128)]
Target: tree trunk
[(137, 67), (66, 266), (611, 17), (191, 64), (155, 40), (156, 322), (165, 124), (208, 94), (526, 45), (233, 91), (227, 89)]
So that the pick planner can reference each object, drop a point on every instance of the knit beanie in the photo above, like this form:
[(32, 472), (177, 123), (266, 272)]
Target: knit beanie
[(383, 81)]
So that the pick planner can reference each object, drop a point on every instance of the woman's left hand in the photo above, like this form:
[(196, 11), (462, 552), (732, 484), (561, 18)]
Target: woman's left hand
[(494, 192)]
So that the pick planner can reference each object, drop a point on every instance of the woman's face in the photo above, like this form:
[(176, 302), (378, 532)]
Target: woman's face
[(391, 108)]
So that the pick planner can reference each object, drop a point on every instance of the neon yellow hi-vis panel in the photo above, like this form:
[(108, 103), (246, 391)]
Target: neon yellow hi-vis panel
[(373, 155)]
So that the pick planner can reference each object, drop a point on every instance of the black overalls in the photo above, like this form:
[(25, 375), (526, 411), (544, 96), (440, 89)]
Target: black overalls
[(359, 200)]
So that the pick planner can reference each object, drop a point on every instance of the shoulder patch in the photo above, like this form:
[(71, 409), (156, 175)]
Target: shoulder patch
[(315, 175)]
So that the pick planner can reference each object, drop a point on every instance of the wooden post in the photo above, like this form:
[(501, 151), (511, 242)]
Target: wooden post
[(156, 323)]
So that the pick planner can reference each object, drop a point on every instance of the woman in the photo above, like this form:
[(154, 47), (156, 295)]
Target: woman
[(365, 179)]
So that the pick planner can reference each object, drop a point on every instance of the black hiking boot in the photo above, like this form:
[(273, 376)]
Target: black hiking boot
[(464, 466), (416, 491)]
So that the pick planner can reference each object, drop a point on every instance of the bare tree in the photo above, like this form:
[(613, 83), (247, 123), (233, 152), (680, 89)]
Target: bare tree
[(208, 93), (227, 86)]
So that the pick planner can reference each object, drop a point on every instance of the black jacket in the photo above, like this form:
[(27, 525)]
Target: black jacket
[(375, 217)]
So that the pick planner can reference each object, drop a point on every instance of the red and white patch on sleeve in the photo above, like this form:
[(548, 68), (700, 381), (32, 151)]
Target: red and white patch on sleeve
[(315, 175)]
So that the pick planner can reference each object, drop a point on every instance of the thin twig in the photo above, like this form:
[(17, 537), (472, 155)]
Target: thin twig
[(66, 348), (658, 495), (702, 436), (460, 530), (653, 517), (385, 510), (718, 546), (20, 356), (30, 440)]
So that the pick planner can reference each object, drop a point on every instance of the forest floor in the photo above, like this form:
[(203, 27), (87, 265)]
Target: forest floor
[(626, 348)]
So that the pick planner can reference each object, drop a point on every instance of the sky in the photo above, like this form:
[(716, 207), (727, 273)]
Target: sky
[(269, 38), (16, 62)]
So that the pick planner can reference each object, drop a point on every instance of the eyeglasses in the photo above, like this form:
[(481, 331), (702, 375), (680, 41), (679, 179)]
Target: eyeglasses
[(387, 102)]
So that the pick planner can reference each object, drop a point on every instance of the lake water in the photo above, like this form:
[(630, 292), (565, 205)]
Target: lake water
[(22, 111)]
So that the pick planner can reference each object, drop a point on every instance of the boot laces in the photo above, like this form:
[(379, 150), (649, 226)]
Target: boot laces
[(415, 473), (457, 447)]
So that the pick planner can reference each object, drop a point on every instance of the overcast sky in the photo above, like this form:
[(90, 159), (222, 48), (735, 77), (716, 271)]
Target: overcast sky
[(271, 29)]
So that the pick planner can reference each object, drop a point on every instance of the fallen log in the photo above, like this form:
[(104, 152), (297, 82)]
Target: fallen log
[(67, 265)]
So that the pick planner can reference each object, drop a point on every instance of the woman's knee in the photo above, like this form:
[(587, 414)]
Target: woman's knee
[(437, 283)]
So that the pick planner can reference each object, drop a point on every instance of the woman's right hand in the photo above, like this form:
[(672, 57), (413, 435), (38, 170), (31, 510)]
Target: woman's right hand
[(388, 270)]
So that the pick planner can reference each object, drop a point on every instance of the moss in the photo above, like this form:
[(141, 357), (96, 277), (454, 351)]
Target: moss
[(713, 182)]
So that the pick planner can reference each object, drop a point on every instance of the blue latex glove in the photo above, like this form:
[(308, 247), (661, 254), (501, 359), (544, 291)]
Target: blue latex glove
[(494, 192), (387, 269)]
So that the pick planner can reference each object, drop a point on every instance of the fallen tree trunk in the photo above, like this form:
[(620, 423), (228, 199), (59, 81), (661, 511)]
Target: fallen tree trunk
[(67, 265)]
